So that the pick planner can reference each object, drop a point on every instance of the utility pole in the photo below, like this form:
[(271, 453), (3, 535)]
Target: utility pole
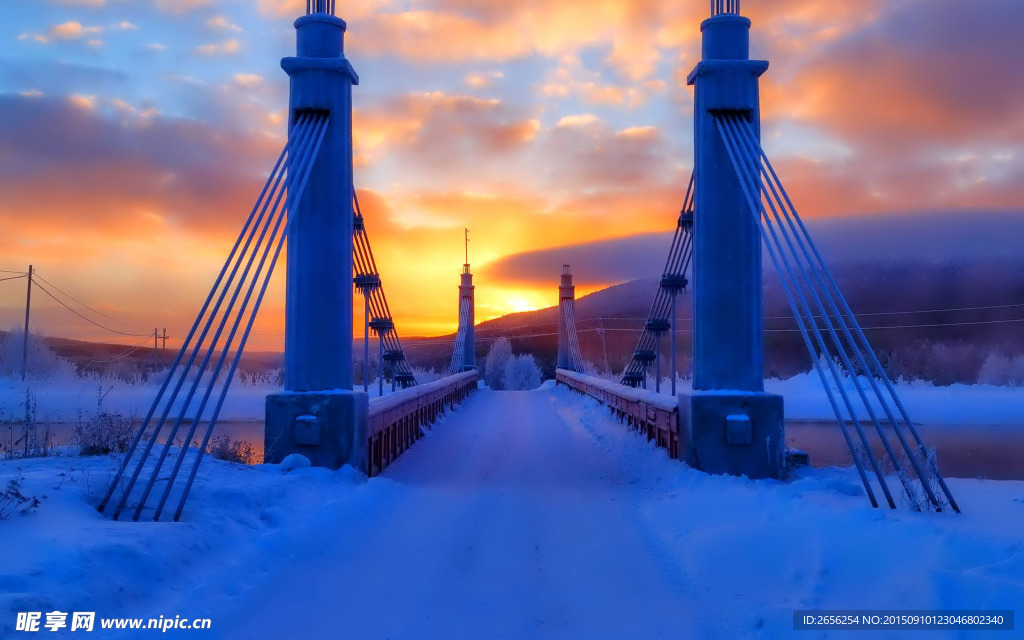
[(28, 310), (156, 343), (164, 337)]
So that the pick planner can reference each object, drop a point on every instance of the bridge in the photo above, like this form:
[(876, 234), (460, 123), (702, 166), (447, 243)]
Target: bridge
[(735, 205)]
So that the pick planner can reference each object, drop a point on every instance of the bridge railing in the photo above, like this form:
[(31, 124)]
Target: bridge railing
[(655, 415), (396, 419)]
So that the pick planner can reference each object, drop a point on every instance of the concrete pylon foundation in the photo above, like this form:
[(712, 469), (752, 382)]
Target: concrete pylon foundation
[(727, 424), (318, 415)]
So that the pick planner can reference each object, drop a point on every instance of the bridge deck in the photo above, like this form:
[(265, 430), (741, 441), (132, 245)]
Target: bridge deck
[(536, 515), (514, 520)]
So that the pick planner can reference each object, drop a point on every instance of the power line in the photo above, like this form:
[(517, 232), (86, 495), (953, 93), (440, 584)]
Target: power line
[(876, 327), (21, 272), (13, 278), (912, 311), (429, 342), (122, 356), (100, 313), (89, 320), (948, 324), (865, 315)]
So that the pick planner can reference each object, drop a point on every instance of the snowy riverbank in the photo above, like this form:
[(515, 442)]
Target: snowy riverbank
[(64, 400), (67, 398), (522, 514)]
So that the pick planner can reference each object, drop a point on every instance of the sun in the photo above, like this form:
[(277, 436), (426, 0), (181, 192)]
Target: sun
[(519, 305)]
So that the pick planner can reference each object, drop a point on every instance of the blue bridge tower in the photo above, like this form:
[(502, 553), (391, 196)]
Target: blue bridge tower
[(318, 415), (728, 424)]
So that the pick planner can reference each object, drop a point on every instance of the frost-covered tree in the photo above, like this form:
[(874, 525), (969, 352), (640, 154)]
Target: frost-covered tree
[(43, 363), (521, 373), (494, 365), (1002, 370)]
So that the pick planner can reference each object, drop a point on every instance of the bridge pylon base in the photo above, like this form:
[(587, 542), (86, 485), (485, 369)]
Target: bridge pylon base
[(733, 432), (327, 427)]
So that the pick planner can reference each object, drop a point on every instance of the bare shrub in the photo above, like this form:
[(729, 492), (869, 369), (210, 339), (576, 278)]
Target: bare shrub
[(13, 500), (103, 432), (240, 451), (266, 379), (28, 438)]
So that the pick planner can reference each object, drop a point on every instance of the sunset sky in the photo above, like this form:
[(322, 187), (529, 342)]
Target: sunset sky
[(135, 135)]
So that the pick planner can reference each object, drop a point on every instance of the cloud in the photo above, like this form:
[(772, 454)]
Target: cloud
[(228, 47), (916, 112), (248, 79), (587, 156), (578, 120), (917, 76), (114, 163), (483, 80), (443, 130), (60, 77), (539, 123), (223, 24), (71, 30), (82, 3), (351, 10), (83, 102)]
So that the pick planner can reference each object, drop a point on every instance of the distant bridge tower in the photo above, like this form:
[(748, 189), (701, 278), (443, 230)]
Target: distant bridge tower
[(566, 298), (464, 356), (728, 424), (467, 301), (569, 356), (318, 414)]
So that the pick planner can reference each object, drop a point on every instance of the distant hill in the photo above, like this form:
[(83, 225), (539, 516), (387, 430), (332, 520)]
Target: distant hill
[(121, 359), (944, 236), (900, 302)]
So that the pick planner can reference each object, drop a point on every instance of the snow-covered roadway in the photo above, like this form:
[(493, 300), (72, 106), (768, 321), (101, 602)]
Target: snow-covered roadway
[(511, 520), (533, 515)]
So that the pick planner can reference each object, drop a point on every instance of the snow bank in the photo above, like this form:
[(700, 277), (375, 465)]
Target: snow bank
[(67, 556), (527, 514), (958, 404), (66, 398), (660, 400)]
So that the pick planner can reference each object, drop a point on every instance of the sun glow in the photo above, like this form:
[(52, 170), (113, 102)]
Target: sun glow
[(519, 306)]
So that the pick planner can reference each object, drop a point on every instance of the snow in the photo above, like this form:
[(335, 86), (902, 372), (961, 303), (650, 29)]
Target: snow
[(521, 515), (661, 400), (66, 398), (957, 405), (401, 396)]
